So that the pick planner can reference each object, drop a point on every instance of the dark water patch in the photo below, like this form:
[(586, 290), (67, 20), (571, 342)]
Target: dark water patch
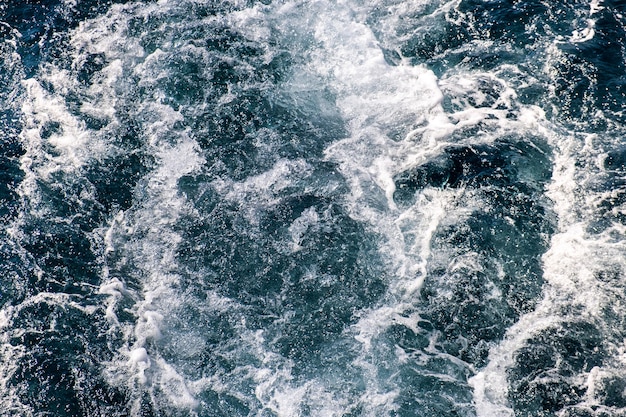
[(61, 371), (501, 282), (491, 35), (506, 163), (443, 400), (506, 21), (601, 64), (216, 338), (250, 133), (420, 34), (16, 269), (611, 391), (478, 35), (611, 191), (66, 195), (65, 255), (10, 124), (10, 76), (428, 45), (428, 382), (615, 160), (224, 404), (10, 177), (493, 271), (15, 265), (320, 285), (90, 67), (114, 179), (543, 379)]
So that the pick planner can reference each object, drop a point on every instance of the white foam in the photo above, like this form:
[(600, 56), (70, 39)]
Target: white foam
[(569, 266), (266, 186), (491, 384), (139, 355), (373, 97), (585, 34), (573, 266), (155, 254), (299, 227), (10, 356), (145, 234), (71, 141), (175, 386), (10, 400), (588, 32), (595, 6)]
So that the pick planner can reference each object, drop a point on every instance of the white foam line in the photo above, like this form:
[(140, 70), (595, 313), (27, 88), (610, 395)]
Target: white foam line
[(569, 266), (567, 271), (588, 32), (595, 6), (71, 141), (65, 149), (144, 233), (10, 356), (10, 401), (373, 97), (155, 253)]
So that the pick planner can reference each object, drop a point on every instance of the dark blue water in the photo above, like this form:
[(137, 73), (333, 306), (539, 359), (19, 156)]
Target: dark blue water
[(313, 208)]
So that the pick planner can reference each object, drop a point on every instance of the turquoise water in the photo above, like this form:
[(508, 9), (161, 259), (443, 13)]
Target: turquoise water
[(312, 208)]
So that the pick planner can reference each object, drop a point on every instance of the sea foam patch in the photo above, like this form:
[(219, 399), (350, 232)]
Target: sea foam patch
[(319, 208)]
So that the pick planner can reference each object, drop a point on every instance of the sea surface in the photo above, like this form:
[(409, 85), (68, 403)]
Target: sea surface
[(377, 208)]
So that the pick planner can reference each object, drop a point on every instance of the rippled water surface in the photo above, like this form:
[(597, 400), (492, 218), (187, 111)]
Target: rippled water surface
[(313, 208)]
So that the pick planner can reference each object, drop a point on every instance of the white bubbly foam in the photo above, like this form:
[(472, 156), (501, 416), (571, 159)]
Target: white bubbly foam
[(65, 149), (570, 265), (155, 254), (138, 365), (374, 97), (73, 144), (573, 265)]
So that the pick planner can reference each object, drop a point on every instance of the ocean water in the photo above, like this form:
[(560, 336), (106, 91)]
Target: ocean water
[(313, 208)]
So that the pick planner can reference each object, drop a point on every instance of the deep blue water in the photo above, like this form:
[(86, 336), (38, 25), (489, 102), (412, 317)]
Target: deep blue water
[(313, 208)]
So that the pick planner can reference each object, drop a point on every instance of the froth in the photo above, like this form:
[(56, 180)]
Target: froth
[(68, 137), (397, 117), (580, 268), (154, 254), (375, 96)]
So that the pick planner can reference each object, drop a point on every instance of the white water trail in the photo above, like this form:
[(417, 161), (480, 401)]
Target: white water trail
[(574, 267)]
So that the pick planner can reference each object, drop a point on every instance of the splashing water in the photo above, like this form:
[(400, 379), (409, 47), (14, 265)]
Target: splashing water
[(312, 208)]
